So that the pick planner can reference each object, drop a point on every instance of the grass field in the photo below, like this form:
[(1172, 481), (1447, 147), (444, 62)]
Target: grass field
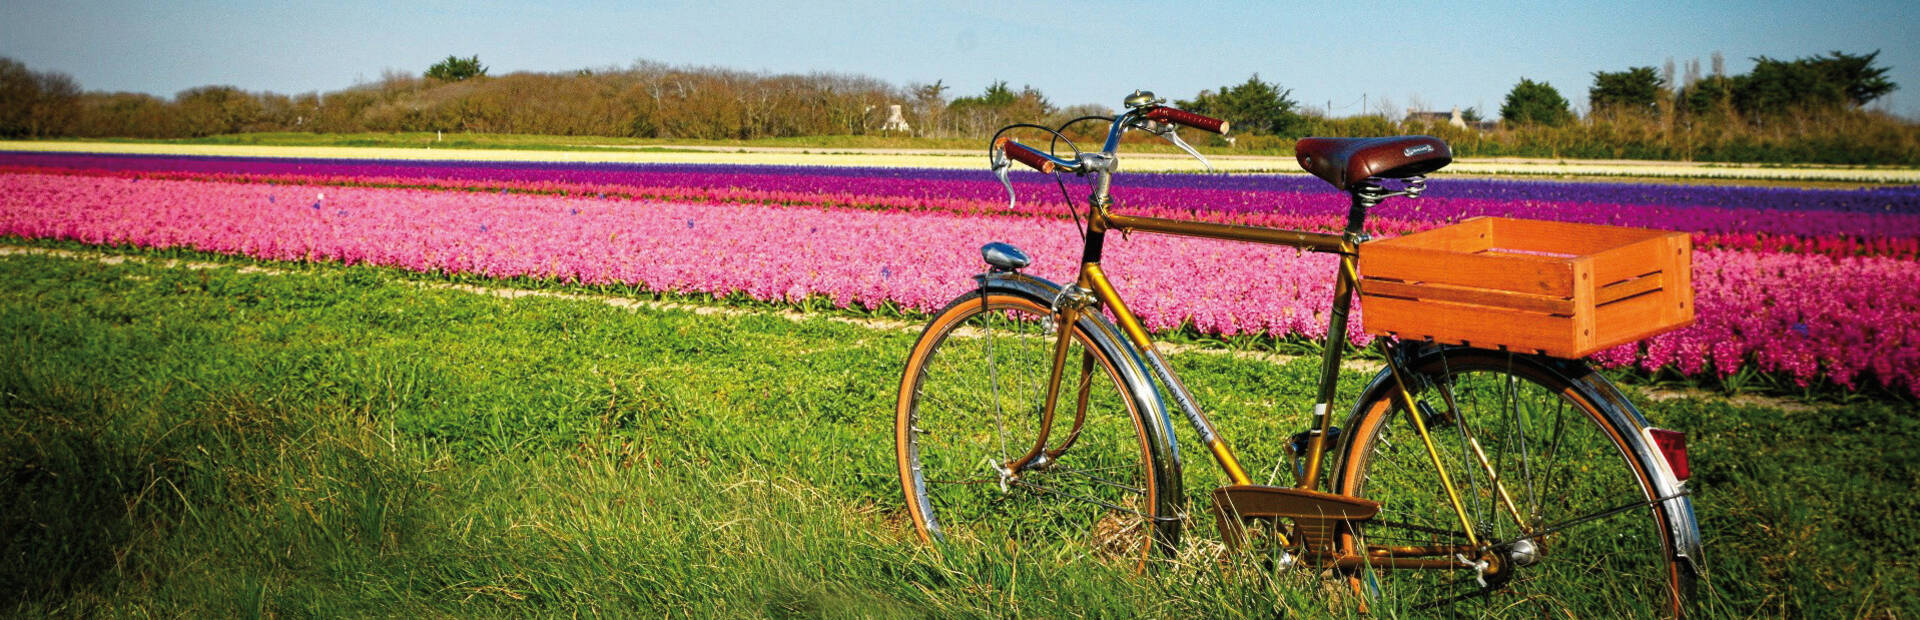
[(326, 440)]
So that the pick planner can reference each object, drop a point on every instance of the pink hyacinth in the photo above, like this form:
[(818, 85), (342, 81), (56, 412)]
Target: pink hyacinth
[(1804, 316)]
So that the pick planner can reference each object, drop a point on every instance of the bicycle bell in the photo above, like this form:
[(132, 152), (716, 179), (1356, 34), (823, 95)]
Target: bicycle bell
[(1143, 98)]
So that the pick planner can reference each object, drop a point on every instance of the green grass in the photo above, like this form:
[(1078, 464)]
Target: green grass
[(339, 441)]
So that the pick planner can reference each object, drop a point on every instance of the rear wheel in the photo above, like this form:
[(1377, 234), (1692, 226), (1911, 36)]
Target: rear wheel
[(1577, 530), (979, 465)]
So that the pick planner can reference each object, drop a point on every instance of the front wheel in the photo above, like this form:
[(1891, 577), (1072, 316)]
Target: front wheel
[(1569, 517), (978, 463)]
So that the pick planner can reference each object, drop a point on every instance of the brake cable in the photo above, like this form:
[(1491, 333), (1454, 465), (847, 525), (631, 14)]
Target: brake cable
[(1078, 226)]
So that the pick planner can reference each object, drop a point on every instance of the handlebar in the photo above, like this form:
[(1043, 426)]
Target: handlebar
[(1182, 117), (1144, 112), (1025, 154)]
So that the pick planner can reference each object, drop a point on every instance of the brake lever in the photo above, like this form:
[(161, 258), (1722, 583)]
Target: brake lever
[(1001, 165), (1168, 131)]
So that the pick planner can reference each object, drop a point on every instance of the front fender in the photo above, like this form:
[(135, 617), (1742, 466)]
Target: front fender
[(1135, 373)]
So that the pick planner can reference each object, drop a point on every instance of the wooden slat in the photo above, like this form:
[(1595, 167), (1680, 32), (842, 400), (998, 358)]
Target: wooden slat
[(1479, 326), (1632, 260), (1520, 274), (1566, 237), (1467, 295), (1628, 288), (1680, 274), (1582, 326), (1467, 237), (1628, 320)]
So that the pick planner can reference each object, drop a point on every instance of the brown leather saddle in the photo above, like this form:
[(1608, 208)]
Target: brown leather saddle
[(1349, 162)]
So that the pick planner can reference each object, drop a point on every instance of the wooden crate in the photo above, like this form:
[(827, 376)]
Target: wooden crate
[(1565, 290)]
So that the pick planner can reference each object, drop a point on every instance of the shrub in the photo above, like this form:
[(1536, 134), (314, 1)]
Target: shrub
[(1535, 103)]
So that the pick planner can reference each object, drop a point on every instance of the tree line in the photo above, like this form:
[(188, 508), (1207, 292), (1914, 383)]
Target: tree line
[(1809, 110), (1806, 110), (1774, 89), (645, 100)]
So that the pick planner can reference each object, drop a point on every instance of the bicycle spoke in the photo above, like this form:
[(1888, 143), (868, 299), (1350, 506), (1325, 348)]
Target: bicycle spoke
[(1584, 541), (977, 401), (1089, 500), (1591, 517), (1102, 481)]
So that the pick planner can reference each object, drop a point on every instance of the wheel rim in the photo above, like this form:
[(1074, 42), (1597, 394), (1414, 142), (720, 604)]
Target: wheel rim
[(1559, 459), (1094, 492)]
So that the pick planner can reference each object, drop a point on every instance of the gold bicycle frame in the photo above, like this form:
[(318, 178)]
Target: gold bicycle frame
[(1093, 279), (1092, 282)]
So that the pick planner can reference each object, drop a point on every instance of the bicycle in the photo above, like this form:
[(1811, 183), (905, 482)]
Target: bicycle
[(1466, 471)]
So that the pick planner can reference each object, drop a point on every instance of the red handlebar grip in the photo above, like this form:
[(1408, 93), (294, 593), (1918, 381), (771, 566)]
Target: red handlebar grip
[(1183, 117), (1026, 155)]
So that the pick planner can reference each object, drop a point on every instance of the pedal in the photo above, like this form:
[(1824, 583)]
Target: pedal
[(1316, 516)]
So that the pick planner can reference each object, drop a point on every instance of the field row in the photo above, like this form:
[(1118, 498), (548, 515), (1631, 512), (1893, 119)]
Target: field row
[(1880, 221), (1757, 312)]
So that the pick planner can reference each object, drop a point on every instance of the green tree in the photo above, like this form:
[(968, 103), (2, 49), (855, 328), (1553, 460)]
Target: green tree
[(36, 104), (211, 110), (996, 106), (455, 68), (1859, 79), (1253, 106), (999, 96), (134, 115), (1836, 80), (928, 106), (1535, 103), (1711, 96), (1777, 86), (1637, 89)]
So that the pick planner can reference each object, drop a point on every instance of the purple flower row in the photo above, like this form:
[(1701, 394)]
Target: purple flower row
[(1838, 222), (1861, 324), (1893, 199)]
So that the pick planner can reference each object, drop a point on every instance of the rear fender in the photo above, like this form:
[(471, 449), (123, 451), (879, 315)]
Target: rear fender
[(1625, 418)]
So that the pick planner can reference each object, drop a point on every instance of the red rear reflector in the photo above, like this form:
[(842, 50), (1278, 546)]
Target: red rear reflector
[(1673, 446)]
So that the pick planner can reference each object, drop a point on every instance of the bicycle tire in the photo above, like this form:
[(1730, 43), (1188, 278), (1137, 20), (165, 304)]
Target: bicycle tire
[(1111, 491), (1565, 445)]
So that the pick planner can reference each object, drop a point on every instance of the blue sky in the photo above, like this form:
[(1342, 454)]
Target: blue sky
[(1332, 55)]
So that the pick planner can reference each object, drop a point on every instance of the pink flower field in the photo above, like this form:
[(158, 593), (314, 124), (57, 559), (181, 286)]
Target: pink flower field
[(1842, 305)]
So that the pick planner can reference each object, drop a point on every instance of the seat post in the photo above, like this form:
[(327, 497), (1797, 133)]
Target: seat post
[(1343, 286), (1357, 212)]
